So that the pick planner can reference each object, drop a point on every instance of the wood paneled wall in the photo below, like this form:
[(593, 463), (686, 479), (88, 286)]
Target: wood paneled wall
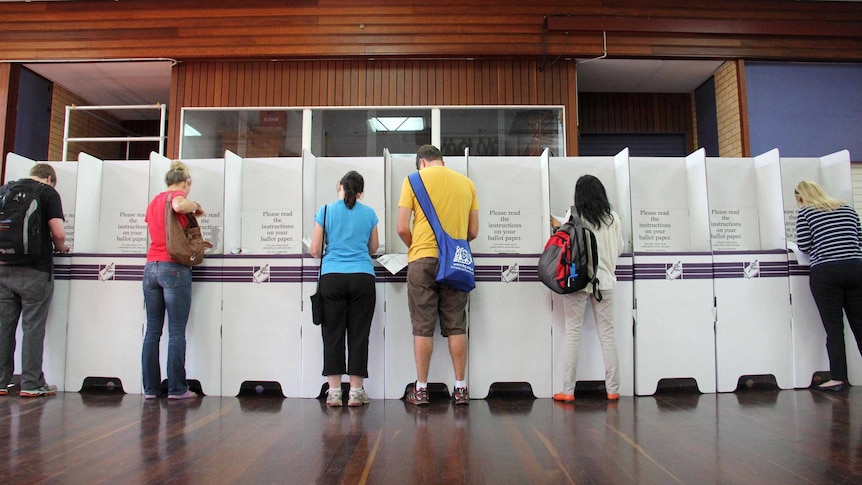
[(372, 83), (634, 112), (309, 29)]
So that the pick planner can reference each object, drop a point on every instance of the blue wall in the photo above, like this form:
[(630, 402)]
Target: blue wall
[(805, 110)]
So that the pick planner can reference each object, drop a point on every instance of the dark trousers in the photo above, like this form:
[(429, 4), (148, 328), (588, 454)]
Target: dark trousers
[(837, 290), (348, 309)]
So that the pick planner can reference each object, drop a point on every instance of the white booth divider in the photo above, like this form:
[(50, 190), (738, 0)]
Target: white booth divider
[(400, 368), (752, 330), (260, 290), (106, 304), (323, 175), (809, 339), (54, 353), (613, 173), (203, 330), (674, 318), (505, 319)]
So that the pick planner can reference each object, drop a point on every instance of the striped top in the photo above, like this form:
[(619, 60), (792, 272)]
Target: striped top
[(826, 236)]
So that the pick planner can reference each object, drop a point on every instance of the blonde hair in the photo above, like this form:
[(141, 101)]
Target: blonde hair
[(178, 173), (811, 194)]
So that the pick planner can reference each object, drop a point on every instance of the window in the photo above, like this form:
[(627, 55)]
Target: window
[(366, 132), (250, 133)]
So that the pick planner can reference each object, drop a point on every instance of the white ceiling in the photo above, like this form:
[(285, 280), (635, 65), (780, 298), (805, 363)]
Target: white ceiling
[(123, 83), (113, 83), (643, 75)]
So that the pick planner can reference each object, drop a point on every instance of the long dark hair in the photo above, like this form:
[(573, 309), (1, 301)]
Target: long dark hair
[(352, 184), (591, 201)]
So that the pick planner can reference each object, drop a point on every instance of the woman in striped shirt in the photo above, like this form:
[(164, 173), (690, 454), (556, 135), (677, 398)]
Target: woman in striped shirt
[(830, 232)]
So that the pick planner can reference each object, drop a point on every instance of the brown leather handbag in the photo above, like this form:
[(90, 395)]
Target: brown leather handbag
[(185, 245)]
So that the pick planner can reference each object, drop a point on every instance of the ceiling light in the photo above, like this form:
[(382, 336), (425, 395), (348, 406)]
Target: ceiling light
[(396, 123)]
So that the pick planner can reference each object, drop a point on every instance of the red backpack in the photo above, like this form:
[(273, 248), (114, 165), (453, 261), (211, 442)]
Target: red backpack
[(569, 261)]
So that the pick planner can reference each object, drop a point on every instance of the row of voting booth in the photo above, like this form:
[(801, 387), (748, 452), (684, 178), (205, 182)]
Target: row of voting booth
[(707, 289)]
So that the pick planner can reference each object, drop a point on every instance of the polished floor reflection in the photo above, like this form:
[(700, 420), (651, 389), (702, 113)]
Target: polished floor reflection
[(753, 436)]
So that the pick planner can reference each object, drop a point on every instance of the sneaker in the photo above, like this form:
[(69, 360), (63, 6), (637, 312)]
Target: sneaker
[(419, 398), (613, 397), (357, 397), (461, 396), (46, 390), (333, 398), (5, 390), (189, 394), (563, 397)]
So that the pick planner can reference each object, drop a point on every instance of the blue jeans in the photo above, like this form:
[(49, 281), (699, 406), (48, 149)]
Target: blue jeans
[(167, 288), (25, 292)]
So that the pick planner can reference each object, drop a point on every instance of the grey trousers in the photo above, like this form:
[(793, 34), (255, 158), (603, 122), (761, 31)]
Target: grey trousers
[(25, 293)]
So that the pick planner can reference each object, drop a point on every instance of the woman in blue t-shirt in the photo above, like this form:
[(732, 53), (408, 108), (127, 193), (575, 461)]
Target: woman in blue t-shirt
[(345, 234)]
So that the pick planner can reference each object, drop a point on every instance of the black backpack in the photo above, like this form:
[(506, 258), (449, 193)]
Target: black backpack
[(570, 260), (20, 223)]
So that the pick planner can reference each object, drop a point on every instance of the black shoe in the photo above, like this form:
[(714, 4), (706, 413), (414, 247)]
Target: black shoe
[(832, 386)]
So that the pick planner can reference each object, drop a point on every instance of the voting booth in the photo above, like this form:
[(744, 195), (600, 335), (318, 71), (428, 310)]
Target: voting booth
[(54, 351), (753, 326), (832, 172), (106, 302), (510, 331), (323, 174), (613, 172), (261, 274), (673, 288)]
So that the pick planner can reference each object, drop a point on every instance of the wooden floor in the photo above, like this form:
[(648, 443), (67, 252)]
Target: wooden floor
[(753, 436)]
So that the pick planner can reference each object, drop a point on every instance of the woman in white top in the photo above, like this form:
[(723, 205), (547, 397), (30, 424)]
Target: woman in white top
[(592, 206)]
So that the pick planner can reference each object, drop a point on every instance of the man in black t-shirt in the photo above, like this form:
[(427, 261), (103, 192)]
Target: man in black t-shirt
[(26, 292)]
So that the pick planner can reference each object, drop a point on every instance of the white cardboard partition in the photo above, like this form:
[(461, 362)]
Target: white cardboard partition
[(809, 339), (674, 336), (752, 331), (326, 172), (505, 319), (400, 370), (613, 172), (203, 330), (261, 331), (54, 353), (106, 303)]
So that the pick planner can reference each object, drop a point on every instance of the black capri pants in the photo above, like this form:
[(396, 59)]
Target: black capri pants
[(348, 309)]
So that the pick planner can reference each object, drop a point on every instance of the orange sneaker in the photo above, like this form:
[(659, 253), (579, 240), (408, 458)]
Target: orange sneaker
[(561, 396), (613, 397)]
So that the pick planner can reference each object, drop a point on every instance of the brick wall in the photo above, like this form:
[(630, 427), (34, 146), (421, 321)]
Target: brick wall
[(83, 124), (727, 101)]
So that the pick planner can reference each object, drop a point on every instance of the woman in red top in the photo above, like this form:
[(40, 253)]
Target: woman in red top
[(167, 288)]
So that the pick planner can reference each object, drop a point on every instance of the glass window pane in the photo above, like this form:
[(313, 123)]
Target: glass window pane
[(366, 132), (248, 133), (501, 131)]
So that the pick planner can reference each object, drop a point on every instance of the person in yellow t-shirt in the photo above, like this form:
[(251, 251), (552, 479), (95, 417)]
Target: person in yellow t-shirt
[(454, 199)]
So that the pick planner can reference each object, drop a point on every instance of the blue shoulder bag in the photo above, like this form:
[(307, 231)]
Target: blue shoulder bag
[(455, 259)]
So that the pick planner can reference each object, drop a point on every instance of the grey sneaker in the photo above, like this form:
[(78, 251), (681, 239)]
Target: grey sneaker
[(46, 390), (333, 398), (419, 398), (357, 397)]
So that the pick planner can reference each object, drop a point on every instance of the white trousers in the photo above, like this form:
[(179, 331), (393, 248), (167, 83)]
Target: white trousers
[(603, 311)]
